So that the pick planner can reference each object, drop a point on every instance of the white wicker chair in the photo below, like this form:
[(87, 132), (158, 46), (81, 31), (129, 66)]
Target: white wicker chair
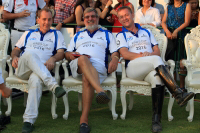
[(14, 82), (4, 42), (143, 87), (192, 81)]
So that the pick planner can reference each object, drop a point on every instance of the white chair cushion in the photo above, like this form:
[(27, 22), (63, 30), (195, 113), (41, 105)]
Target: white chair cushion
[(15, 80), (132, 82), (195, 81), (70, 81)]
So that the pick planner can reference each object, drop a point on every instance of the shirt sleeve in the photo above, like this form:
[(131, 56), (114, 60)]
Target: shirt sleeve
[(152, 38), (61, 42), (121, 41), (71, 45), (8, 5), (21, 41), (157, 18), (113, 45), (41, 3)]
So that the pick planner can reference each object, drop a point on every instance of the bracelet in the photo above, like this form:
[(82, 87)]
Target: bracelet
[(62, 23), (106, 6), (116, 57)]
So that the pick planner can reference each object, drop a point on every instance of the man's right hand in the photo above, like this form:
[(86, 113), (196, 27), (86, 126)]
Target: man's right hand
[(25, 13), (15, 62)]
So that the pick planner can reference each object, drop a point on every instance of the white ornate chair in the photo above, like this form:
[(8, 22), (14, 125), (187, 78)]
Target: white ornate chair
[(143, 87), (72, 84), (192, 80), (14, 82), (4, 42)]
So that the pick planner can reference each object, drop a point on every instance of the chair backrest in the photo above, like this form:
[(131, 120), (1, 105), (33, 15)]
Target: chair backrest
[(160, 38), (192, 46), (4, 41)]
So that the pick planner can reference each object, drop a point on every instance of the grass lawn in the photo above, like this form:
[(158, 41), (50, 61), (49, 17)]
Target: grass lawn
[(137, 120)]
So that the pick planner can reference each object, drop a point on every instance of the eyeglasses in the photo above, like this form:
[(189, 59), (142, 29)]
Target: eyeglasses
[(92, 16)]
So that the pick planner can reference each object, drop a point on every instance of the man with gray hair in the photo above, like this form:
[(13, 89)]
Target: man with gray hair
[(97, 43)]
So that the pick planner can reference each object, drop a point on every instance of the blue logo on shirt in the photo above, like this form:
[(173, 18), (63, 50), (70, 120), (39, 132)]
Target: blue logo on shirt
[(129, 38), (80, 38), (32, 38)]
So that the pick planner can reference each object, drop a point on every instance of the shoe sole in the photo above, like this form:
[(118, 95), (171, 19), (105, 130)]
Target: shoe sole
[(102, 99), (184, 102)]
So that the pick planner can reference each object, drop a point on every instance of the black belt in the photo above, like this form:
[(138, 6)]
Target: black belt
[(19, 30)]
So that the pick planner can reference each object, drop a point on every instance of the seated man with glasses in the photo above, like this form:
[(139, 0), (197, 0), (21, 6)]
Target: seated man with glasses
[(92, 46)]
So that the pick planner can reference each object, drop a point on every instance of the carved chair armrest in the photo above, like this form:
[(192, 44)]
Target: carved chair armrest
[(64, 64), (9, 62), (123, 68), (57, 68), (189, 67), (171, 63)]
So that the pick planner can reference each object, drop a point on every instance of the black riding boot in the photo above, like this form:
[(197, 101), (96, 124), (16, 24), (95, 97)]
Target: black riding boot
[(157, 102), (181, 97)]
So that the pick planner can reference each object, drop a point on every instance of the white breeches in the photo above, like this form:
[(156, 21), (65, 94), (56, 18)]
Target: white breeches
[(30, 63), (32, 69), (34, 96), (143, 68)]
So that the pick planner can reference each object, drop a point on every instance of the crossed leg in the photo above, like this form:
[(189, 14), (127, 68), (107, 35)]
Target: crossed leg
[(90, 73)]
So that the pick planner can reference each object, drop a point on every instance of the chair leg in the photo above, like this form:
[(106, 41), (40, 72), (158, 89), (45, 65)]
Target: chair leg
[(80, 101), (123, 100), (169, 110), (191, 112), (9, 101), (130, 100), (113, 104), (66, 103), (53, 106)]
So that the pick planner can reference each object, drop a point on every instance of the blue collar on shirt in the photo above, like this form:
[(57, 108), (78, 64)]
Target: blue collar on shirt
[(135, 34), (42, 35), (92, 34)]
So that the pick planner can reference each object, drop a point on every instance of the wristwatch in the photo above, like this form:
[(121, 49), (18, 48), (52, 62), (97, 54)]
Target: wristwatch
[(62, 23)]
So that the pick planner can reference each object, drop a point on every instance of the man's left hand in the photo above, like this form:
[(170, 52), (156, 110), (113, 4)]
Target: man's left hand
[(112, 65), (50, 63), (146, 54)]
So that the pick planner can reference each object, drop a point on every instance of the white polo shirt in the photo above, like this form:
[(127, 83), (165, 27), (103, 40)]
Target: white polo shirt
[(97, 45), (24, 23), (142, 41), (45, 45), (152, 16)]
